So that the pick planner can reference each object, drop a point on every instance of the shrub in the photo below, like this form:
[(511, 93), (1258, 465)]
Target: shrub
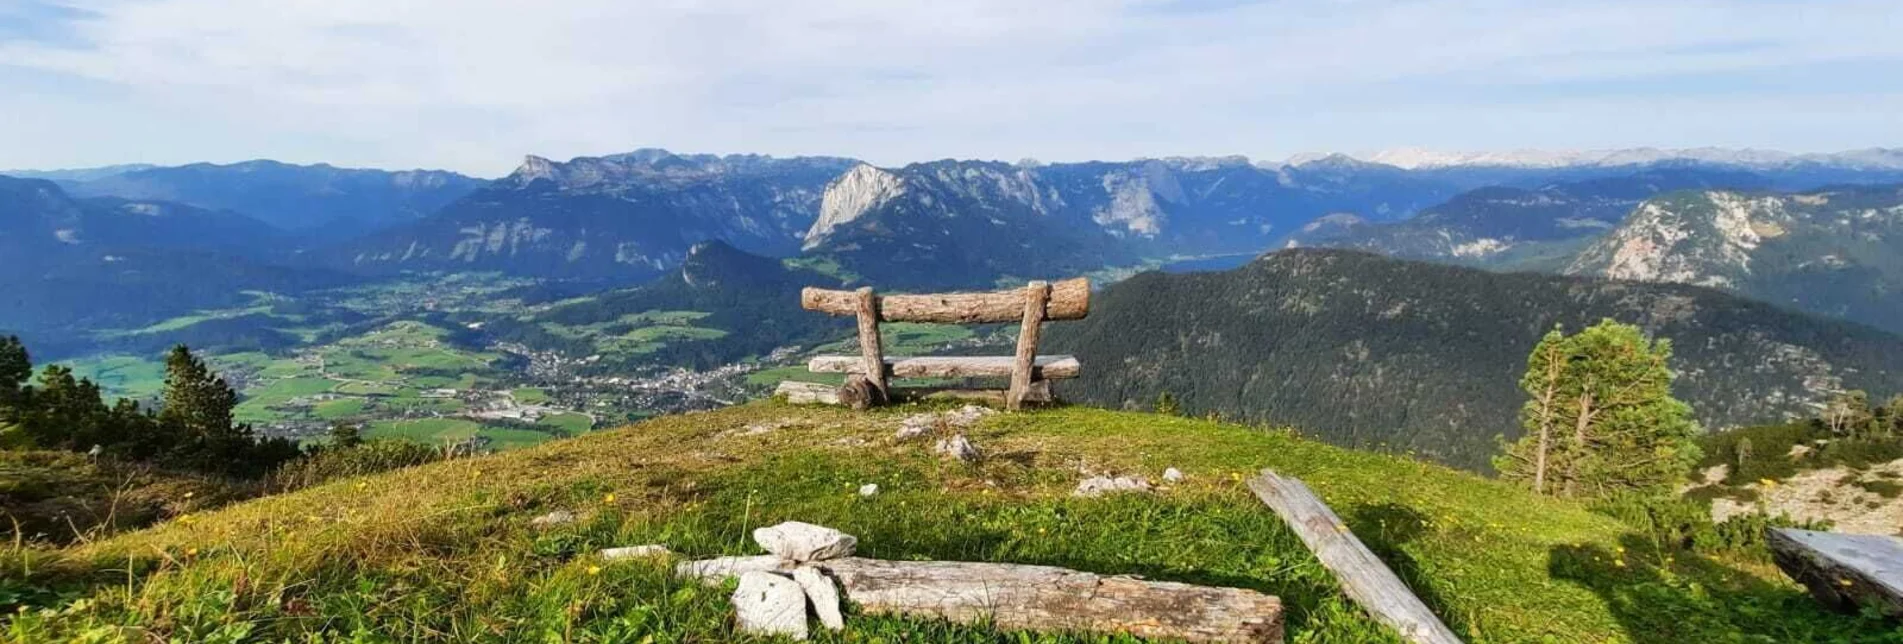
[(330, 463), (1677, 523)]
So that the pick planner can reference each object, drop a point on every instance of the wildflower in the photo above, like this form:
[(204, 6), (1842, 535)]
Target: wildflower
[(1767, 482), (1844, 582), (191, 552), (1618, 563), (594, 570), (189, 494), (610, 498)]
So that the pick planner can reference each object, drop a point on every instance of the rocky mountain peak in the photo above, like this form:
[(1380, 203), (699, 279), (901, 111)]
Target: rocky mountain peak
[(852, 195), (1702, 238)]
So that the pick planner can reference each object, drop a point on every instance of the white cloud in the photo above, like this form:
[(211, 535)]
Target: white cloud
[(473, 84)]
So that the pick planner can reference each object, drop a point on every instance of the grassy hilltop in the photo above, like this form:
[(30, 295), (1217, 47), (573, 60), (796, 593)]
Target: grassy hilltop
[(446, 551)]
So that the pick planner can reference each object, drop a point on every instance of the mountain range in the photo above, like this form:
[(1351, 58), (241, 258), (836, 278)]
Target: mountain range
[(1370, 351), (319, 202)]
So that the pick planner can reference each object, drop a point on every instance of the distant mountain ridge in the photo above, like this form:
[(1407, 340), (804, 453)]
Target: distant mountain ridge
[(321, 202), (624, 218), (1875, 158), (1513, 227), (1836, 251), (1366, 350)]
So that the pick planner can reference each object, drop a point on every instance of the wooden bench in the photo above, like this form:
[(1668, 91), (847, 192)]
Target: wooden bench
[(870, 372)]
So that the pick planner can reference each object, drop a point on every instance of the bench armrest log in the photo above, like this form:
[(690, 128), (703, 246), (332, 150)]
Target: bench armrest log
[(1069, 300), (1041, 598), (1362, 576)]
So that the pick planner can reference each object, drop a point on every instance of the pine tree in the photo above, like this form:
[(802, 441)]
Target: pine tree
[(196, 415), (16, 368), (1848, 415), (1600, 416)]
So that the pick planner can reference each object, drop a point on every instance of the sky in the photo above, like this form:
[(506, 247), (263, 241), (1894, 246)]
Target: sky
[(473, 85)]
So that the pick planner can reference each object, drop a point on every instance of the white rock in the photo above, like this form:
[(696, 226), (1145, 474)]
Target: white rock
[(824, 595), (957, 447), (770, 604), (653, 550), (1101, 485), (918, 425), (1172, 475), (552, 519), (869, 489), (802, 542)]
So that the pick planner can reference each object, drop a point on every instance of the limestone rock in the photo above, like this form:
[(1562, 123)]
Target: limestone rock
[(869, 489), (1100, 485), (1173, 475), (652, 550), (957, 447), (802, 542), (770, 604), (552, 519), (823, 594)]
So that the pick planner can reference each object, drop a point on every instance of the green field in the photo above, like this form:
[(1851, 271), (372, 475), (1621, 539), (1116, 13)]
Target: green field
[(121, 376), (570, 424), (438, 431), (530, 396)]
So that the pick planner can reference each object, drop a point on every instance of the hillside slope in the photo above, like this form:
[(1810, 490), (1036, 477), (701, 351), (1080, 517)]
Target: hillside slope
[(1835, 251), (1366, 351), (446, 552)]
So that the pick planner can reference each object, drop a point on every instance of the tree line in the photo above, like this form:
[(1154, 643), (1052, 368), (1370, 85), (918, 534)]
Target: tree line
[(191, 428)]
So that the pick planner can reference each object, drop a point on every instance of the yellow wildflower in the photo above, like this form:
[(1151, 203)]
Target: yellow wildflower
[(610, 498), (594, 570), (1767, 482)]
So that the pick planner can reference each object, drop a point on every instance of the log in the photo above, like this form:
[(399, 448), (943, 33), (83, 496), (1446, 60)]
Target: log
[(866, 308), (1044, 367), (1845, 571), (1362, 576), (807, 393), (1070, 300), (1036, 294), (813, 393), (1041, 598)]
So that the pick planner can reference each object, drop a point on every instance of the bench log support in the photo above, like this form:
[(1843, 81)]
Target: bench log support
[(1035, 296), (867, 309)]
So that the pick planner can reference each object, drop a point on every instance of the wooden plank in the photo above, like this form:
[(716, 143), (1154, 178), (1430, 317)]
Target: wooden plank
[(813, 393), (1044, 367), (1069, 300), (1362, 576), (1036, 294), (866, 308), (1041, 598), (1846, 571)]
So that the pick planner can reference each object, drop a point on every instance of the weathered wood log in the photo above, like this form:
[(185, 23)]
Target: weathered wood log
[(807, 393), (1362, 576), (1845, 571), (866, 308), (1069, 300), (1042, 598), (1036, 294), (1043, 367), (813, 393)]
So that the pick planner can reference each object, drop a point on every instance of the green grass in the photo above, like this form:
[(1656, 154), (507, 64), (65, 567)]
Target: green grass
[(121, 376), (339, 408), (773, 376), (571, 424), (434, 431), (530, 396), (444, 552)]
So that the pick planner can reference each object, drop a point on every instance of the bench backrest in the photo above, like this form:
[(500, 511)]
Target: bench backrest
[(1030, 306)]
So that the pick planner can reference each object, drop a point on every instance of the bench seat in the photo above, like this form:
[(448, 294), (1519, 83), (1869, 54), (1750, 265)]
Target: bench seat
[(1044, 367)]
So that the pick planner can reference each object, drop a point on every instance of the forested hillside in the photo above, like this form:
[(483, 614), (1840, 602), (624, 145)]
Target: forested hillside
[(1367, 351)]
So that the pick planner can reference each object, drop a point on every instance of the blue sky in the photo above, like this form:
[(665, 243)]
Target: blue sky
[(472, 85)]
